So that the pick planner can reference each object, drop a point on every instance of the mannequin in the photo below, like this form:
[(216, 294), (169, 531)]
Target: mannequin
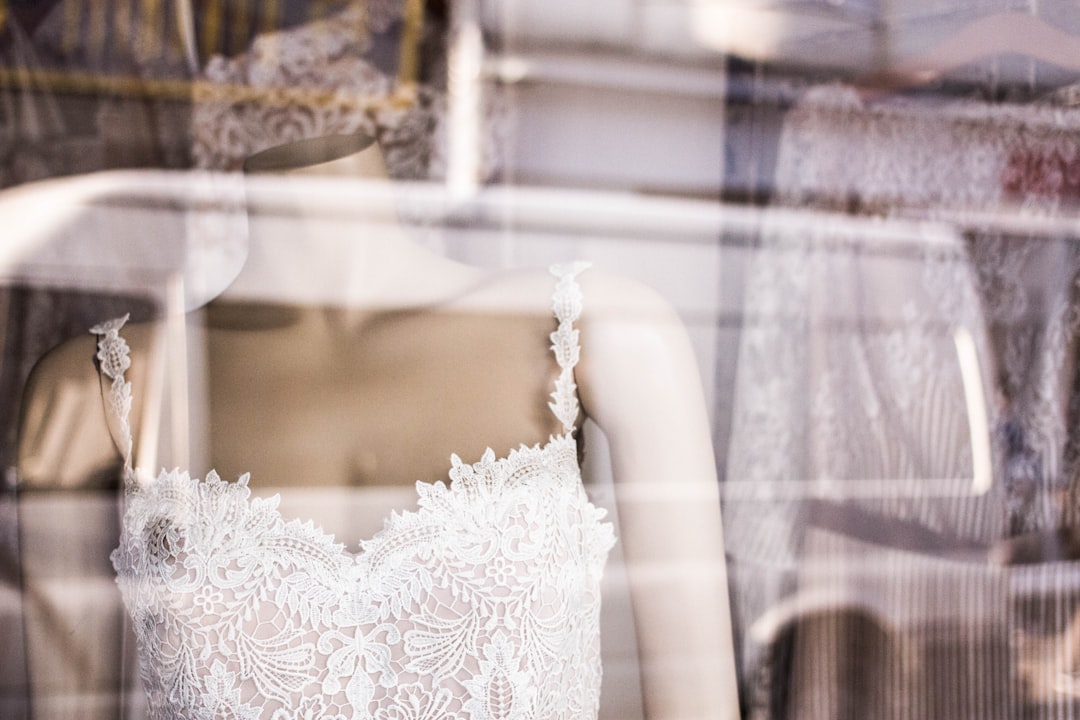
[(333, 358)]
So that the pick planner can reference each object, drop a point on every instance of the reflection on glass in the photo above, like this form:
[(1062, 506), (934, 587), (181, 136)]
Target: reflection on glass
[(864, 215)]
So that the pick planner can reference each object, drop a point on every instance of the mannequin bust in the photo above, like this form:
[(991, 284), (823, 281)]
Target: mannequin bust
[(346, 362)]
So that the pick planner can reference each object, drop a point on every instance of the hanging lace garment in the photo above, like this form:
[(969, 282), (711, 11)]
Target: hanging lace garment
[(481, 604), (848, 371), (911, 159)]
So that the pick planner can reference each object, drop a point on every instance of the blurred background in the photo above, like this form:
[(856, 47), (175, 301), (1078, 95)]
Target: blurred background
[(865, 212)]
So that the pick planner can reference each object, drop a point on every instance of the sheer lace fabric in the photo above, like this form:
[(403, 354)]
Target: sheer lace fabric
[(848, 372), (880, 388), (482, 604), (318, 80), (841, 153)]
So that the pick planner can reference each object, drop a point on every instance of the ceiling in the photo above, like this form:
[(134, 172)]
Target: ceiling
[(848, 36)]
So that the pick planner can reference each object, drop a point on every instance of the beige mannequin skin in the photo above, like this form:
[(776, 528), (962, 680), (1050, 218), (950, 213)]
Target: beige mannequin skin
[(391, 343)]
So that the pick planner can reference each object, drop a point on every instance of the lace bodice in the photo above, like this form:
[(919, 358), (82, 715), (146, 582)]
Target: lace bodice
[(483, 604)]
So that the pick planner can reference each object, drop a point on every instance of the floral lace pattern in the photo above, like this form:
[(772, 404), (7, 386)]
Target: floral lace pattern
[(907, 158), (889, 158), (113, 361), (483, 604), (847, 372), (315, 80)]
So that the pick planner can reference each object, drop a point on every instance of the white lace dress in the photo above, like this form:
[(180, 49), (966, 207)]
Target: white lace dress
[(483, 604)]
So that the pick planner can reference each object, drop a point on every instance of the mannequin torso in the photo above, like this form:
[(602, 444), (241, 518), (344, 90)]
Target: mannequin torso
[(392, 357)]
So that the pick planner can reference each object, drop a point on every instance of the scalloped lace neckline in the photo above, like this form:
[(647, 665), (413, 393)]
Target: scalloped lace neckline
[(462, 478)]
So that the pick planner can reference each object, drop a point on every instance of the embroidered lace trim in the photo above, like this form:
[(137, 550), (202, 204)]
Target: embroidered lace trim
[(114, 359), (482, 604), (566, 305)]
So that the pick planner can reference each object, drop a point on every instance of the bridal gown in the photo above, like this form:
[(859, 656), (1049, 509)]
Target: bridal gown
[(481, 604)]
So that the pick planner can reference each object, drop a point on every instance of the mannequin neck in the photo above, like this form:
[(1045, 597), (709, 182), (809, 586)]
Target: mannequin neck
[(322, 177), (324, 229), (318, 152)]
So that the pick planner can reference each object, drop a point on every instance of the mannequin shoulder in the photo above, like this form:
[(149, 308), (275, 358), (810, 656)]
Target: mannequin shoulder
[(73, 361), (616, 302), (607, 297), (63, 434), (616, 310), (637, 364)]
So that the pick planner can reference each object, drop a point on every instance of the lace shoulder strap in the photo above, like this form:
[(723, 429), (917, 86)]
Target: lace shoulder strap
[(114, 359), (566, 304)]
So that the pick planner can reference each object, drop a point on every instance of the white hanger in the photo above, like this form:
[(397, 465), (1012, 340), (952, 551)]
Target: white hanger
[(1007, 33)]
